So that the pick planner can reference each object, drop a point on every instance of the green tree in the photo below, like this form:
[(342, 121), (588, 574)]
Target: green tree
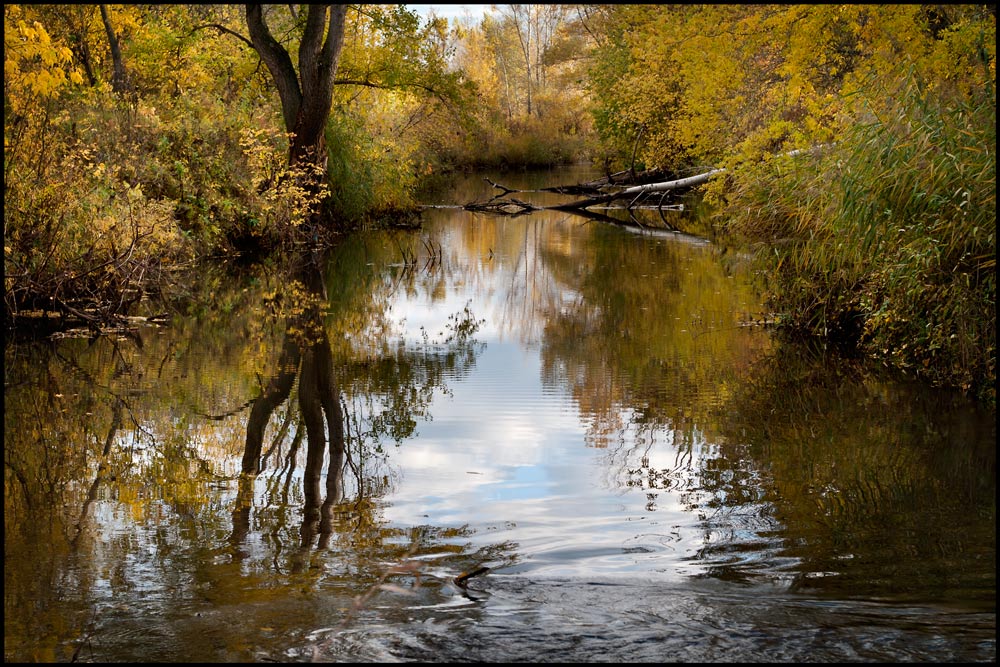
[(388, 51), (307, 94)]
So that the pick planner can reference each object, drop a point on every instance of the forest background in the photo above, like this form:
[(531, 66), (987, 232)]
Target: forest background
[(858, 142)]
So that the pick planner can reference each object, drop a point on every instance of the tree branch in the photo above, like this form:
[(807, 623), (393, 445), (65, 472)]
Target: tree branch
[(278, 62), (223, 29)]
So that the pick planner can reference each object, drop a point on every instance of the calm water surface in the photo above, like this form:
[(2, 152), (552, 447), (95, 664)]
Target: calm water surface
[(580, 407)]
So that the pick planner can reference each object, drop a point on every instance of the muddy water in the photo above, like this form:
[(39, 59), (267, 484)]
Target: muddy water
[(577, 413)]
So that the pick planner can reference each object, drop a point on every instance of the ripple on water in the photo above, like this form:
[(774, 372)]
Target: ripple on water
[(529, 620)]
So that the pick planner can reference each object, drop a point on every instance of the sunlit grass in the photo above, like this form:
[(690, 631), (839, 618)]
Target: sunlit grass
[(888, 240)]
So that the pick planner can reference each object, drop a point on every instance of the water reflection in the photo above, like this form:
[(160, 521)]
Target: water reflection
[(143, 484), (304, 461), (893, 499), (305, 352)]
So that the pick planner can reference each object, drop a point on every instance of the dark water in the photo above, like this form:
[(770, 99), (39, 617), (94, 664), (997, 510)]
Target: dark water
[(576, 405)]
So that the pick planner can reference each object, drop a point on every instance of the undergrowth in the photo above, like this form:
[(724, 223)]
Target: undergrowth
[(886, 241)]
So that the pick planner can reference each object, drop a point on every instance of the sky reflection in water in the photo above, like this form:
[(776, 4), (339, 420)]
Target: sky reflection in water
[(647, 477), (510, 455)]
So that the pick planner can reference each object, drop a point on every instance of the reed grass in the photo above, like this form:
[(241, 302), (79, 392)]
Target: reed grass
[(887, 241)]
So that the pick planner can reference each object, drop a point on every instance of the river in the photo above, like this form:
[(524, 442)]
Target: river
[(561, 440)]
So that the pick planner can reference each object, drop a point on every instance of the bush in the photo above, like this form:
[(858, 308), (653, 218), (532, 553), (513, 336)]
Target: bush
[(887, 241), (80, 239), (370, 174)]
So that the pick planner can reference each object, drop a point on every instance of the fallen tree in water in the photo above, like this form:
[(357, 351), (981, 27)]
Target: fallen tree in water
[(638, 195), (626, 178)]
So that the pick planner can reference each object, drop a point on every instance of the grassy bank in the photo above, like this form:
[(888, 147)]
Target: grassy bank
[(886, 241)]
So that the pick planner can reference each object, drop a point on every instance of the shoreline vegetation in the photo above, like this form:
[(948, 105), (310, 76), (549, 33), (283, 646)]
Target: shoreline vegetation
[(143, 140)]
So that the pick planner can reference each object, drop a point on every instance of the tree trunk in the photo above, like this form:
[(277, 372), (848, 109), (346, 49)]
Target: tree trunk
[(119, 77), (306, 96)]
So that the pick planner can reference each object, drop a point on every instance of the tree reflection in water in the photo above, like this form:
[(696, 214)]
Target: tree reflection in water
[(119, 511), (386, 394), (305, 353)]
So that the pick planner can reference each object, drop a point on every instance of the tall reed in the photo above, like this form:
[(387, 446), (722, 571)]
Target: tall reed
[(887, 241)]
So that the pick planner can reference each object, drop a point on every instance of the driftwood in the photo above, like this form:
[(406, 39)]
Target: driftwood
[(503, 204), (638, 192), (498, 205)]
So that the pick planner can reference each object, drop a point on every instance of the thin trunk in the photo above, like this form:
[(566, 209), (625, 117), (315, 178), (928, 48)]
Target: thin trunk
[(83, 44), (506, 86), (525, 41), (119, 78)]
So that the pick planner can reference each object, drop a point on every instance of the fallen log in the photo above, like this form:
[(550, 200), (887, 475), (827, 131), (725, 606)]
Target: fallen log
[(639, 191), (628, 177), (636, 193), (597, 189), (505, 205)]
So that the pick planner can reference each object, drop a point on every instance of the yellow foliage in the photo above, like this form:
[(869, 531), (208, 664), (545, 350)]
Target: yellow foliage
[(709, 83), (35, 66)]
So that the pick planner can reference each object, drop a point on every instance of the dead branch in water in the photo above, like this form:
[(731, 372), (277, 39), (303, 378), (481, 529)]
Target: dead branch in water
[(503, 204), (639, 192), (500, 206)]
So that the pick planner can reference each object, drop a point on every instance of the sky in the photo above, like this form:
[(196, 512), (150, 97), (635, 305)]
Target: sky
[(452, 11)]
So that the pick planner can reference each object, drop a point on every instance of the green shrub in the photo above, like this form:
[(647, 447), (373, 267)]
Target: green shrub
[(887, 241), (369, 172)]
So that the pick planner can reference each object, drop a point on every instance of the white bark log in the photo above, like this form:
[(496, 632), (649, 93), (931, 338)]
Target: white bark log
[(688, 182), (639, 190)]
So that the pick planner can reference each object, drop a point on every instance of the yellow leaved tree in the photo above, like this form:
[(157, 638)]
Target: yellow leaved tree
[(36, 69)]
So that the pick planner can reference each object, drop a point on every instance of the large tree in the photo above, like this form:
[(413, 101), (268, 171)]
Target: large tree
[(306, 95)]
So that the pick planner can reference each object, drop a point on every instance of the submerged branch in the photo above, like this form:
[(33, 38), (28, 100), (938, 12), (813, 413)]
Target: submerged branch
[(510, 206)]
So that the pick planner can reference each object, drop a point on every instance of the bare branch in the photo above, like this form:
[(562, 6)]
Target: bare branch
[(222, 29)]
